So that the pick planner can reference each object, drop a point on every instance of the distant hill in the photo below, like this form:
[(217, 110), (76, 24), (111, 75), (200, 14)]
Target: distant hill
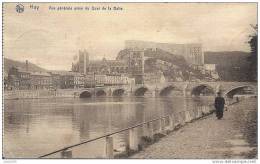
[(231, 65), (8, 63)]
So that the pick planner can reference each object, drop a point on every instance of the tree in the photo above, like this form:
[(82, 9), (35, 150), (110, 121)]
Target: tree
[(253, 57)]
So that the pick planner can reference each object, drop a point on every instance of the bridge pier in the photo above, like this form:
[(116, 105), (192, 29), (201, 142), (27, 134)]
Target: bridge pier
[(184, 90), (110, 92), (156, 92)]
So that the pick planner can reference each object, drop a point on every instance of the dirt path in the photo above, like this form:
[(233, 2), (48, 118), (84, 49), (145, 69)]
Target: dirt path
[(232, 137)]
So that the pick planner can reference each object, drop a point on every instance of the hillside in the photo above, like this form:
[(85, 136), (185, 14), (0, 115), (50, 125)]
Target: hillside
[(173, 66), (231, 66), (8, 63), (166, 56)]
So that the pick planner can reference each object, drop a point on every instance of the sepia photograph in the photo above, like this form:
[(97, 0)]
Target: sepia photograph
[(130, 80)]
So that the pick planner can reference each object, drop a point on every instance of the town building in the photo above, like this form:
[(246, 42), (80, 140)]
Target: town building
[(100, 79), (154, 78), (41, 80), (79, 80), (24, 77), (131, 63), (193, 53), (67, 81), (18, 79), (6, 84), (56, 79), (89, 81), (113, 79), (71, 80), (82, 64), (117, 80)]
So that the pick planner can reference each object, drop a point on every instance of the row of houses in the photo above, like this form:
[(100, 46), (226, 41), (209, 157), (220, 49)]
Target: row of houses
[(18, 79), (113, 79)]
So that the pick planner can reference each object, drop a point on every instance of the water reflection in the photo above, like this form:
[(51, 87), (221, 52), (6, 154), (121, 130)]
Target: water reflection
[(35, 127)]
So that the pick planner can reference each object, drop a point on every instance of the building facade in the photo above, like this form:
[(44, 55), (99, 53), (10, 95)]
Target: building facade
[(79, 80), (110, 80), (67, 81), (41, 80), (18, 79), (56, 80), (70, 80), (154, 78)]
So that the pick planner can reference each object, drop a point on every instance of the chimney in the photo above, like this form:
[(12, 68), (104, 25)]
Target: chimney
[(26, 65)]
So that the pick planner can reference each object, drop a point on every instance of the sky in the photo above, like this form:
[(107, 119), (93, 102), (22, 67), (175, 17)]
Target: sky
[(50, 38)]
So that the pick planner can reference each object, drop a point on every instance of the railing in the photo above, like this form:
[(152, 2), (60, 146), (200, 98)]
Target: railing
[(174, 120)]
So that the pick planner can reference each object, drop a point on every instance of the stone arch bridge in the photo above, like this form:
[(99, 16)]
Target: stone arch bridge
[(163, 89)]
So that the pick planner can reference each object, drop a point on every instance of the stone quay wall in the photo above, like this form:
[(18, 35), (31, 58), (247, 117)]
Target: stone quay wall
[(36, 94)]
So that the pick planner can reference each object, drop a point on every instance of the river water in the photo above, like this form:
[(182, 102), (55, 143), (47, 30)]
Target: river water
[(34, 127)]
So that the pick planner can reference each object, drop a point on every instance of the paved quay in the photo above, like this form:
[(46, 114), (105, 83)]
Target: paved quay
[(233, 137)]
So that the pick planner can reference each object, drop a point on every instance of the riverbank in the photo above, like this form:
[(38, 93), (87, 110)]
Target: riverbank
[(39, 94), (208, 138)]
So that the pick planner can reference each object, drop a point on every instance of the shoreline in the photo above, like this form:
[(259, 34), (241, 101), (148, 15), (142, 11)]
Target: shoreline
[(210, 139)]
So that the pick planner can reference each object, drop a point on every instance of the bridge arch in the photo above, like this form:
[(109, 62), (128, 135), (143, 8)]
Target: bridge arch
[(140, 91), (203, 89), (100, 93), (168, 89), (244, 89), (118, 92), (85, 94)]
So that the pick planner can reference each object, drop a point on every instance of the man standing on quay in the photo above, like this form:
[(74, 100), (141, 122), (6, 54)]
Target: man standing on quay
[(219, 105)]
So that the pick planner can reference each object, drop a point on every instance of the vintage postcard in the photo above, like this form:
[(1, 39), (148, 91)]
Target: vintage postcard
[(129, 80)]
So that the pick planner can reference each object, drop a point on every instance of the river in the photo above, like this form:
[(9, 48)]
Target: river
[(34, 127)]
